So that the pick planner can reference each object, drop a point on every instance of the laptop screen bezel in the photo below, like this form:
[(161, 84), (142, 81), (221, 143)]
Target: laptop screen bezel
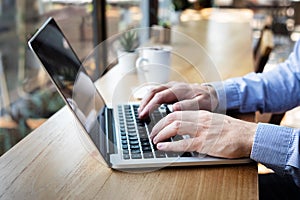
[(102, 148)]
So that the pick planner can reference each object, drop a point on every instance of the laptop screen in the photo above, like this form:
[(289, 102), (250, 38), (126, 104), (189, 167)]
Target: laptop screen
[(73, 83)]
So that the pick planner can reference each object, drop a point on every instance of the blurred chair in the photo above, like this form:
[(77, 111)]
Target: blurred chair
[(262, 49), (261, 52)]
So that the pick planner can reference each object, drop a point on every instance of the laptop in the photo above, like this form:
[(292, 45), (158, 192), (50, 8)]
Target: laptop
[(121, 138)]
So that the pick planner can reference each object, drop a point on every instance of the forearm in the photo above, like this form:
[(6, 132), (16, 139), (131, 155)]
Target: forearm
[(273, 91), (277, 147)]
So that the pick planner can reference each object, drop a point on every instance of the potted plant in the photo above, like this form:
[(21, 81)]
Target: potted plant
[(161, 33), (127, 54), (178, 6)]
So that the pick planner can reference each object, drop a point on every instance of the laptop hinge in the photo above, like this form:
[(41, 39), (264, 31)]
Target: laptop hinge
[(110, 132)]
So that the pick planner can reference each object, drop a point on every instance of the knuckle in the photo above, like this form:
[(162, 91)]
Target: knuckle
[(154, 90), (196, 145), (171, 117), (186, 146), (176, 125), (204, 113), (159, 96), (199, 98)]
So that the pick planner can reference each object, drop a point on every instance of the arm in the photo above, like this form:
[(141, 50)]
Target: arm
[(278, 90), (277, 147), (273, 91)]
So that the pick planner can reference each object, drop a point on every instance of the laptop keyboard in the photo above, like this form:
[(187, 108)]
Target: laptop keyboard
[(135, 141)]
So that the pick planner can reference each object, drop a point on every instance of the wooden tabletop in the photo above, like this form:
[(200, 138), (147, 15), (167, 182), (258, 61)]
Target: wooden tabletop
[(57, 161)]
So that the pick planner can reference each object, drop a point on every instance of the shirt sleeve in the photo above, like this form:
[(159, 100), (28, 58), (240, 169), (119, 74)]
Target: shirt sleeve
[(277, 148), (274, 91), (278, 90)]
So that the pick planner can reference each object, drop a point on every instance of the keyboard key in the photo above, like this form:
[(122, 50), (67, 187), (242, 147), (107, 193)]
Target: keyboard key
[(135, 151), (160, 154), (133, 142), (134, 147), (172, 154), (125, 151), (148, 155), (144, 140), (130, 122), (132, 131), (124, 146), (126, 156), (140, 124), (145, 143), (143, 135), (131, 127), (186, 154), (136, 156), (146, 148), (177, 138), (123, 133), (144, 132), (133, 137), (123, 137), (132, 134)]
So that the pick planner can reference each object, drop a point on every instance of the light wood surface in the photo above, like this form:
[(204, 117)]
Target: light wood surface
[(54, 162), (57, 161)]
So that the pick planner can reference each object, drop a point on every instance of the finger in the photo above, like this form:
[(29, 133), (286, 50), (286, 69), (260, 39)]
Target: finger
[(184, 116), (189, 104), (186, 145), (176, 128), (197, 103), (164, 122), (164, 96), (149, 96), (152, 93)]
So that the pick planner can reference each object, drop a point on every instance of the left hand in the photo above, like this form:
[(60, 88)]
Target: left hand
[(210, 133), (185, 96)]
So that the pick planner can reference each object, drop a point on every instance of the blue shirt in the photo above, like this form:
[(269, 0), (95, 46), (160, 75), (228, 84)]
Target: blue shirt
[(278, 90)]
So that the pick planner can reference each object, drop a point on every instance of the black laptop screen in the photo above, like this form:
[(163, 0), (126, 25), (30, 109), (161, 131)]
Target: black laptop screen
[(73, 83)]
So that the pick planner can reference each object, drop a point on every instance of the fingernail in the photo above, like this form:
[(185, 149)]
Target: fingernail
[(140, 114), (151, 135), (155, 140), (160, 146), (176, 107)]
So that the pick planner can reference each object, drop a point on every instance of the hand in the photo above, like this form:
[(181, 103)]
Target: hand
[(210, 133), (190, 97)]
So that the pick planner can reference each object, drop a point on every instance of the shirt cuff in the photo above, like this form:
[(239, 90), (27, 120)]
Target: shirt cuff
[(271, 146), (228, 95)]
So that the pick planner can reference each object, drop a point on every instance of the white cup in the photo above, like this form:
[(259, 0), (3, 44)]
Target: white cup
[(153, 65)]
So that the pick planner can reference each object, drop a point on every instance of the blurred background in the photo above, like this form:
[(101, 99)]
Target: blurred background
[(28, 98)]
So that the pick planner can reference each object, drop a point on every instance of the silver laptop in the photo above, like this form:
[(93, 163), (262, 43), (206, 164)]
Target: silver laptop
[(120, 136)]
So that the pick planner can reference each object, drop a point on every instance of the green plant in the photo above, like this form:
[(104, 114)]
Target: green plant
[(165, 24), (180, 5), (129, 41)]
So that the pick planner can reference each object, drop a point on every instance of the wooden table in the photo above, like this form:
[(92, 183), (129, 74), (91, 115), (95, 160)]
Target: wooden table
[(56, 161)]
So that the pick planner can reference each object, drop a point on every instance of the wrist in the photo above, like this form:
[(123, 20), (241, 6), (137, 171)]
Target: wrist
[(214, 99), (250, 130)]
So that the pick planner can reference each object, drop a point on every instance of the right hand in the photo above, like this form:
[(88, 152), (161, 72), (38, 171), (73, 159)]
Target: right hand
[(187, 96), (210, 133)]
